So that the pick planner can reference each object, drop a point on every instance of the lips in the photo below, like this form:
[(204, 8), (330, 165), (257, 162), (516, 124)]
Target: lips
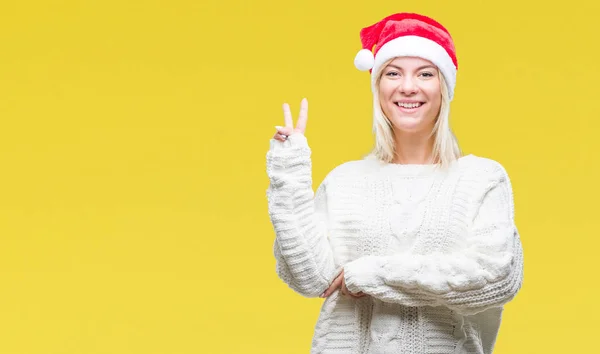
[(409, 107)]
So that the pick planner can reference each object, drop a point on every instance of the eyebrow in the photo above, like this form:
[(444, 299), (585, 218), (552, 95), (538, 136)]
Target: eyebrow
[(419, 68)]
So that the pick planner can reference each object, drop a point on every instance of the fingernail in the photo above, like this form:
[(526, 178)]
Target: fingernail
[(278, 127)]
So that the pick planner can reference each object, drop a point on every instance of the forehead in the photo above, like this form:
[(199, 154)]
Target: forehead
[(410, 62)]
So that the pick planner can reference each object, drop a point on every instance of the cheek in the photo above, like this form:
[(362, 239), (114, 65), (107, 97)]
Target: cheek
[(385, 92), (386, 88), (435, 107), (434, 95), (432, 88), (385, 105)]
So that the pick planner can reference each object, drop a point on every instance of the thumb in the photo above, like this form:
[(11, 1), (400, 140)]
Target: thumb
[(284, 130)]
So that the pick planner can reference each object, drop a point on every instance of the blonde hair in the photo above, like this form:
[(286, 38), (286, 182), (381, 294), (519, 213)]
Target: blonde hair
[(445, 150)]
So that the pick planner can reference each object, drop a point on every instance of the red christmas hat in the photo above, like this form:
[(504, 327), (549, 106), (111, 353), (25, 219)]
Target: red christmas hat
[(408, 34)]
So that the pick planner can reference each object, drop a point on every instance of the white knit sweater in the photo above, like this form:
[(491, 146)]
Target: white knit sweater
[(437, 251)]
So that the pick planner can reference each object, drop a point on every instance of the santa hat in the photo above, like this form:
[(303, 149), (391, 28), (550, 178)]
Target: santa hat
[(408, 34)]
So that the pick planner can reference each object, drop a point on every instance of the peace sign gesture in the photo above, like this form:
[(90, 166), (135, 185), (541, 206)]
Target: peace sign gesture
[(284, 132)]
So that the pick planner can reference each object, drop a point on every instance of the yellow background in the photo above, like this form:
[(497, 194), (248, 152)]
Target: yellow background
[(133, 135)]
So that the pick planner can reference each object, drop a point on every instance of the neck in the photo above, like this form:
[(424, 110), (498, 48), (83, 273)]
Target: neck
[(413, 148)]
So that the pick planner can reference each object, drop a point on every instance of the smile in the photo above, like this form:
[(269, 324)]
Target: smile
[(409, 105)]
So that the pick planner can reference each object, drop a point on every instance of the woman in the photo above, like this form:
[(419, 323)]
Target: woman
[(414, 247)]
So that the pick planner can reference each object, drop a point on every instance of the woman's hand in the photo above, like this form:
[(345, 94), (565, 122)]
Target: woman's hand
[(288, 129), (339, 282)]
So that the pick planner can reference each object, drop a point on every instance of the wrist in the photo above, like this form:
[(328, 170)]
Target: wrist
[(362, 274)]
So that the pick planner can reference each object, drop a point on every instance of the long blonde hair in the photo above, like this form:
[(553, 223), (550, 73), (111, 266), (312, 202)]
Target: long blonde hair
[(445, 149)]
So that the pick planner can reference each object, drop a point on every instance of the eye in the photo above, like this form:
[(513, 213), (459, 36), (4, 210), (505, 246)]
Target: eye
[(427, 74), (392, 73)]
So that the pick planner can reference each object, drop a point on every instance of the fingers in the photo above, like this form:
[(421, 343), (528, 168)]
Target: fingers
[(282, 133), (333, 287), (337, 282), (287, 116), (280, 137), (357, 295), (303, 117), (288, 129), (346, 291)]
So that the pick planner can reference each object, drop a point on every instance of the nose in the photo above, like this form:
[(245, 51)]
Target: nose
[(408, 86)]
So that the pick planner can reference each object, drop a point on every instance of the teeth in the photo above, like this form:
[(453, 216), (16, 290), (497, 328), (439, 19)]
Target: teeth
[(408, 105)]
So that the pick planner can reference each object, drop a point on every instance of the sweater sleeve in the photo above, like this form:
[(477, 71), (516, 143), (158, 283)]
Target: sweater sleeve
[(486, 272), (304, 259)]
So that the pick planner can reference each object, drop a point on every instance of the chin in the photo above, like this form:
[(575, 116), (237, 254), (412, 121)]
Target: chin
[(409, 125)]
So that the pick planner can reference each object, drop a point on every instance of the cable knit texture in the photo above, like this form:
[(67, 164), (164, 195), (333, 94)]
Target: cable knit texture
[(436, 251)]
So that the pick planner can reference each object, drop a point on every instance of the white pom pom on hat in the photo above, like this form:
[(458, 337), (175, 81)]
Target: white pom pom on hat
[(408, 34), (364, 60)]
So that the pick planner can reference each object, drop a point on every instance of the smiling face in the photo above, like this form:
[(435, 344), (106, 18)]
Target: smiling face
[(410, 94)]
